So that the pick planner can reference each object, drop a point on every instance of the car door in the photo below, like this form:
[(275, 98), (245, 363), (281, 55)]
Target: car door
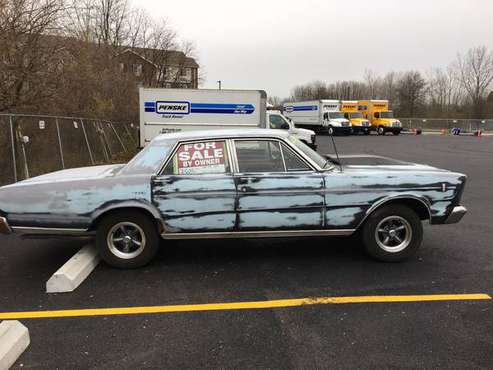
[(277, 189), (196, 190)]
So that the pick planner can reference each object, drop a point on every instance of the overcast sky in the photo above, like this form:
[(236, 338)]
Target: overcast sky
[(274, 45)]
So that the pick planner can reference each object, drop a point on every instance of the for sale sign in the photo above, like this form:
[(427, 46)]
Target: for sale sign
[(201, 158)]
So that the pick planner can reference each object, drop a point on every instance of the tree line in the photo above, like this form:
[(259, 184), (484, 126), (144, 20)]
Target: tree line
[(463, 89), (57, 56)]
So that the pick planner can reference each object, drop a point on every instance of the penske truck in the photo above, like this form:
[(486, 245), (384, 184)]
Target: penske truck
[(171, 110), (319, 115), (381, 118), (351, 112)]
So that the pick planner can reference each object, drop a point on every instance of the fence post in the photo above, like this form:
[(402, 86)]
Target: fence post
[(106, 138), (12, 142), (129, 134), (118, 137), (60, 143), (87, 141)]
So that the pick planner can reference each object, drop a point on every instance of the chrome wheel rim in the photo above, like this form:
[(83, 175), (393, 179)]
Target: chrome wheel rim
[(393, 234), (126, 240)]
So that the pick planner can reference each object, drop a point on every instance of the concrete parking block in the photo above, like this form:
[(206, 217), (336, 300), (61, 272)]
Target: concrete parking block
[(14, 339), (74, 272)]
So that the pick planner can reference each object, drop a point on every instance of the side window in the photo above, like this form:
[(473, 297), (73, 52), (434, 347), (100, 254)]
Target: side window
[(276, 121), (199, 158), (292, 161), (259, 156)]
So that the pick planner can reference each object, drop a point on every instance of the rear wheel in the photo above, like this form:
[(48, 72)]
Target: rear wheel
[(127, 239), (392, 233), (396, 133)]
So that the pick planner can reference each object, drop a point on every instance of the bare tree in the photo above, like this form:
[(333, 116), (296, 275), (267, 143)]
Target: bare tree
[(411, 92), (475, 69), (30, 53)]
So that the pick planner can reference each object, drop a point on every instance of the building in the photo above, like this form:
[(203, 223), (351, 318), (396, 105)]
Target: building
[(159, 68)]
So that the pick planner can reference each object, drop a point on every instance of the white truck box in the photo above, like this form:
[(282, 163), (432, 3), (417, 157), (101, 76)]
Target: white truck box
[(171, 110), (319, 115)]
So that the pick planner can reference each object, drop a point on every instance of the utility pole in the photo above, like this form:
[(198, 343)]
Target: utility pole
[(219, 84)]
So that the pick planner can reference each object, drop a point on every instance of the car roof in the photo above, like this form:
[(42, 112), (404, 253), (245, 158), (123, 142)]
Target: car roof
[(221, 133)]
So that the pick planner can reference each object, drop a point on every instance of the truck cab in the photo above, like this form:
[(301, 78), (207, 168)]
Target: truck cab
[(276, 120), (358, 122), (381, 118)]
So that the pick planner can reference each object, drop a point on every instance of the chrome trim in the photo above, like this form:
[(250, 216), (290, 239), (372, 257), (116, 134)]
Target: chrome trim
[(456, 215), (50, 231), (257, 234), (4, 226)]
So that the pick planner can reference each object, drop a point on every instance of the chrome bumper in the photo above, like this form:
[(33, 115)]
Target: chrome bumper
[(4, 226), (456, 215)]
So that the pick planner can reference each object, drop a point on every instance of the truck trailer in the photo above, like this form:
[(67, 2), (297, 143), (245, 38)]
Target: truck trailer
[(319, 115), (381, 118), (351, 112), (171, 110)]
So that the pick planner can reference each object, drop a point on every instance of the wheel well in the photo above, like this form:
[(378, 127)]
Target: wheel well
[(142, 211), (416, 205)]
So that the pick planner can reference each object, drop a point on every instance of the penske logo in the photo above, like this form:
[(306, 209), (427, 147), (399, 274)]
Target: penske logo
[(172, 107)]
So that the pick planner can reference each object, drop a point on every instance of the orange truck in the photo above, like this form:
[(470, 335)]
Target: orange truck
[(351, 112), (381, 118)]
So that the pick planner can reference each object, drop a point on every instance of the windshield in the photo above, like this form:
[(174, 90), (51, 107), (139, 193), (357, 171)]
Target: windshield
[(149, 159), (309, 152), (335, 115), (389, 114), (355, 115)]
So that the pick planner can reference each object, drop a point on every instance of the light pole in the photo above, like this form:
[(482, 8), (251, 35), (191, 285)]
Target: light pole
[(219, 84)]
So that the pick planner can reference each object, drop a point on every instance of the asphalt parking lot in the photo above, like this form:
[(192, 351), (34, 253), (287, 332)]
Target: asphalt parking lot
[(454, 259)]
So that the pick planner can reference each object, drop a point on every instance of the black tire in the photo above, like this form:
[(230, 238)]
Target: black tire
[(396, 133), (392, 215), (135, 224), (381, 130), (330, 131), (367, 132)]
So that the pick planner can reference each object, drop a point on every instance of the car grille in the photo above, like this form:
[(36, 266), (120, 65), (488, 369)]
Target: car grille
[(345, 124)]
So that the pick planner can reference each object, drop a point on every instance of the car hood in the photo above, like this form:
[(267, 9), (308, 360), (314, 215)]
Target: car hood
[(81, 173), (365, 162)]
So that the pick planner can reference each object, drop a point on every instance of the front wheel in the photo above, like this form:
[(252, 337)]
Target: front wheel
[(392, 233), (396, 133), (330, 130), (381, 130), (127, 239)]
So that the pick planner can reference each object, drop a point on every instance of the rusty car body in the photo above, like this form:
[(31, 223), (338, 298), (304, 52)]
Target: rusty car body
[(282, 189)]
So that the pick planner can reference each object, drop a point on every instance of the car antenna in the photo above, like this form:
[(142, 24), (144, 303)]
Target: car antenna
[(335, 149)]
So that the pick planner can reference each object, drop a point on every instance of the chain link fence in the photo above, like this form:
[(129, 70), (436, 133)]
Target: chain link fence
[(31, 145), (438, 124)]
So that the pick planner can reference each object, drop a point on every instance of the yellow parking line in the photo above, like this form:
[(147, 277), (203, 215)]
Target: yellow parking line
[(280, 303)]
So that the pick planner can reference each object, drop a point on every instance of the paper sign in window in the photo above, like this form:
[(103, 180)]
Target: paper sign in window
[(201, 158)]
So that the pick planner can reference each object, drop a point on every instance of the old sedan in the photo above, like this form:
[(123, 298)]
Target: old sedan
[(223, 184)]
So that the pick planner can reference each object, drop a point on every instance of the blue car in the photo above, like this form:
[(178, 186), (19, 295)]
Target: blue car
[(234, 184)]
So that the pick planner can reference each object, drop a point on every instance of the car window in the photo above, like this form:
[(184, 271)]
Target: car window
[(276, 121), (292, 161), (149, 159), (199, 158), (259, 156)]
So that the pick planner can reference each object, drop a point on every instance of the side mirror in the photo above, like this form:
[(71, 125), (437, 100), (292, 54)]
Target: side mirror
[(285, 126)]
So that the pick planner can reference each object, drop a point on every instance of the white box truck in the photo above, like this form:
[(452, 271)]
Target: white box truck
[(319, 115), (171, 110)]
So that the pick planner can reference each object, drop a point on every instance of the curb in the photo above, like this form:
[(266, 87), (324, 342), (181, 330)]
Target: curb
[(74, 271), (14, 339)]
